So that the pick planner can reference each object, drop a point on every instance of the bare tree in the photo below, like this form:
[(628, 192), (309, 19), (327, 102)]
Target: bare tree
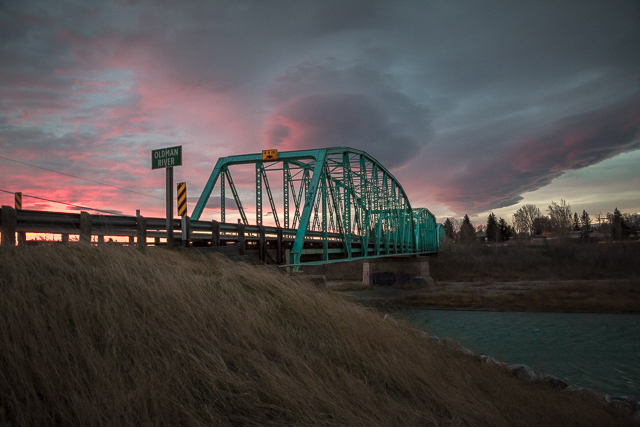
[(524, 217), (560, 216), (456, 225), (632, 220)]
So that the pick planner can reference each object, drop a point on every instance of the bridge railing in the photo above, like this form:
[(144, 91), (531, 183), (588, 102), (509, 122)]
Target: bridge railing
[(268, 243)]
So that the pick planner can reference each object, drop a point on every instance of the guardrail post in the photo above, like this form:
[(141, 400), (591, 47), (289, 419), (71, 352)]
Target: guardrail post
[(279, 246), (141, 229), (215, 233), (85, 227), (100, 239), (22, 238), (262, 244), (241, 238), (8, 221), (287, 259), (64, 237), (186, 230)]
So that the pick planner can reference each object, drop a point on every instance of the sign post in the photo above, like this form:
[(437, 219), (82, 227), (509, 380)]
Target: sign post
[(168, 158)]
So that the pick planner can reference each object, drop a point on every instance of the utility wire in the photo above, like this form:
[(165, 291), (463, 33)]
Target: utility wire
[(78, 177), (62, 203)]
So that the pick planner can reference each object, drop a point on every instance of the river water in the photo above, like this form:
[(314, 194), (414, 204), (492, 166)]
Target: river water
[(598, 351)]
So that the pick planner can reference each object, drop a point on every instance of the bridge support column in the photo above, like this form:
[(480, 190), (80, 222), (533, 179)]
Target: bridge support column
[(397, 271), (400, 270)]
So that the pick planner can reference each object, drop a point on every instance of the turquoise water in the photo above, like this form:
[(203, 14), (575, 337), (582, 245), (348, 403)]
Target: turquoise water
[(598, 351)]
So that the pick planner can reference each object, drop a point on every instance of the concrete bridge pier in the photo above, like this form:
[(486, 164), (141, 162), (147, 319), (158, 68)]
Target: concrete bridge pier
[(412, 270), (394, 270)]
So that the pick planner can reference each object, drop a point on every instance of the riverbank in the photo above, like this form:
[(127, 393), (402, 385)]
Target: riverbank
[(568, 276), (120, 336), (562, 296), (519, 261)]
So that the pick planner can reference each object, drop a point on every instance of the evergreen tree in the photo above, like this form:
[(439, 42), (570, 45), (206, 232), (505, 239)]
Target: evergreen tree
[(448, 229), (492, 228), (586, 224), (584, 218), (617, 225), (504, 230), (576, 222), (467, 231)]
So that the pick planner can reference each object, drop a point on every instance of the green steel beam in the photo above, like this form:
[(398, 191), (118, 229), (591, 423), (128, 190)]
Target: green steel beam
[(223, 200), (235, 196), (259, 193), (296, 250), (274, 211), (335, 190)]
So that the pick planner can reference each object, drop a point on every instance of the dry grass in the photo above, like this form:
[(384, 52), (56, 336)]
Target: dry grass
[(341, 286), (603, 296), (566, 260), (117, 336)]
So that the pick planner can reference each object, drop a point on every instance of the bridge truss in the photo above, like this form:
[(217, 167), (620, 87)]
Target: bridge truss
[(340, 203)]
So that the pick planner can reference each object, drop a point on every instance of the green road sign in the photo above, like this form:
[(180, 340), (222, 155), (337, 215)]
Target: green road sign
[(166, 157)]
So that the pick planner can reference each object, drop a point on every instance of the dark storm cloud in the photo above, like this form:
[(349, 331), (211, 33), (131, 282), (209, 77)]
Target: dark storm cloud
[(458, 93), (325, 106), (574, 143), (348, 120)]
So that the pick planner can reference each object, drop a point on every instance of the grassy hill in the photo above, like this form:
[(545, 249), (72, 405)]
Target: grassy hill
[(119, 336)]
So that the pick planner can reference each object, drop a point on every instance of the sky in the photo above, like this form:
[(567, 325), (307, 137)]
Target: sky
[(475, 107)]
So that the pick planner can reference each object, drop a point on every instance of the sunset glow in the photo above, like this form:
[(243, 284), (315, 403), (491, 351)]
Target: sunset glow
[(473, 108)]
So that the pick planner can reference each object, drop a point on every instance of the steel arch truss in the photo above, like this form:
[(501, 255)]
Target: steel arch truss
[(339, 202)]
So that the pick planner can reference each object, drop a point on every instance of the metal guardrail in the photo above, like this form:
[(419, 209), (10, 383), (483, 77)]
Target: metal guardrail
[(268, 243)]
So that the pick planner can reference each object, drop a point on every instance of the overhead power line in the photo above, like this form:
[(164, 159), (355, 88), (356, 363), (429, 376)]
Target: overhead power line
[(79, 177), (62, 203)]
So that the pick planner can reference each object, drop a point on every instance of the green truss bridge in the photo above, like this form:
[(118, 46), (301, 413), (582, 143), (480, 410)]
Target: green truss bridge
[(315, 207)]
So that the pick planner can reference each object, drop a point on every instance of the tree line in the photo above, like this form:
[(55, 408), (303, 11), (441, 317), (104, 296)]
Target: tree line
[(528, 221)]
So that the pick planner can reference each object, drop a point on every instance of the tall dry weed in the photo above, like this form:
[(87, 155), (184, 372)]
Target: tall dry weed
[(117, 336), (565, 260)]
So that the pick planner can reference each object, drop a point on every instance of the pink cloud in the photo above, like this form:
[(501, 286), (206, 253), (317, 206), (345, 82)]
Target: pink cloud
[(576, 142)]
